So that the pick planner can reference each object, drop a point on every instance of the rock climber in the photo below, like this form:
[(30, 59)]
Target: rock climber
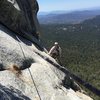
[(55, 52)]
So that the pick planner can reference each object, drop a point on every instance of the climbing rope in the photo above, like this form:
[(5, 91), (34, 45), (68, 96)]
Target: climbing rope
[(63, 69), (28, 68)]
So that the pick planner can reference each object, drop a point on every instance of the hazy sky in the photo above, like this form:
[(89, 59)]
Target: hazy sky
[(52, 5)]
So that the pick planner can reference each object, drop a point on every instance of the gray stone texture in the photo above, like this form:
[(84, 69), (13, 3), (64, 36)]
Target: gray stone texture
[(24, 72)]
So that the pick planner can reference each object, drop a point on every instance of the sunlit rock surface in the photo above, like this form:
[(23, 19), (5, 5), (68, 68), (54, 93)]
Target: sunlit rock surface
[(25, 74), (38, 80)]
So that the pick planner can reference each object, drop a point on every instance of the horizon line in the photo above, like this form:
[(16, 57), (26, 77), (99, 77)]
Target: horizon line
[(90, 8)]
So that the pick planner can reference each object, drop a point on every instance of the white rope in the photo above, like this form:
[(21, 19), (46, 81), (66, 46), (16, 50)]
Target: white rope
[(29, 69)]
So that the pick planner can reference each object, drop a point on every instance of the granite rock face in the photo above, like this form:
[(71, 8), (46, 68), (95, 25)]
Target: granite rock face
[(20, 16), (35, 78), (25, 74)]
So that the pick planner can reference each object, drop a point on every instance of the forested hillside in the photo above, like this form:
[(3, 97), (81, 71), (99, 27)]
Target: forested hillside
[(80, 48)]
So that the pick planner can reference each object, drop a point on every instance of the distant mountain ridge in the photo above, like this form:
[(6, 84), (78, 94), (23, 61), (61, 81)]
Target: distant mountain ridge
[(63, 17)]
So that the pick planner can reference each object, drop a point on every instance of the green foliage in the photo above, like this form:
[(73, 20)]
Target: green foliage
[(81, 48)]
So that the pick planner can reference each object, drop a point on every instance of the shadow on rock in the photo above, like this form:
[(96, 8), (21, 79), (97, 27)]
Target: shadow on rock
[(13, 35), (11, 94), (27, 63)]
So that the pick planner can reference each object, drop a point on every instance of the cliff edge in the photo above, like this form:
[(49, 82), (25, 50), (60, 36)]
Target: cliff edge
[(25, 74)]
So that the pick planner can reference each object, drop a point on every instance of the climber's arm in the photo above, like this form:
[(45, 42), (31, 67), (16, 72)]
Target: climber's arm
[(60, 52), (51, 50)]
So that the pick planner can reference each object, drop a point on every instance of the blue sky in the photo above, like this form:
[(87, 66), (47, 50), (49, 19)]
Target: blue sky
[(68, 5)]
